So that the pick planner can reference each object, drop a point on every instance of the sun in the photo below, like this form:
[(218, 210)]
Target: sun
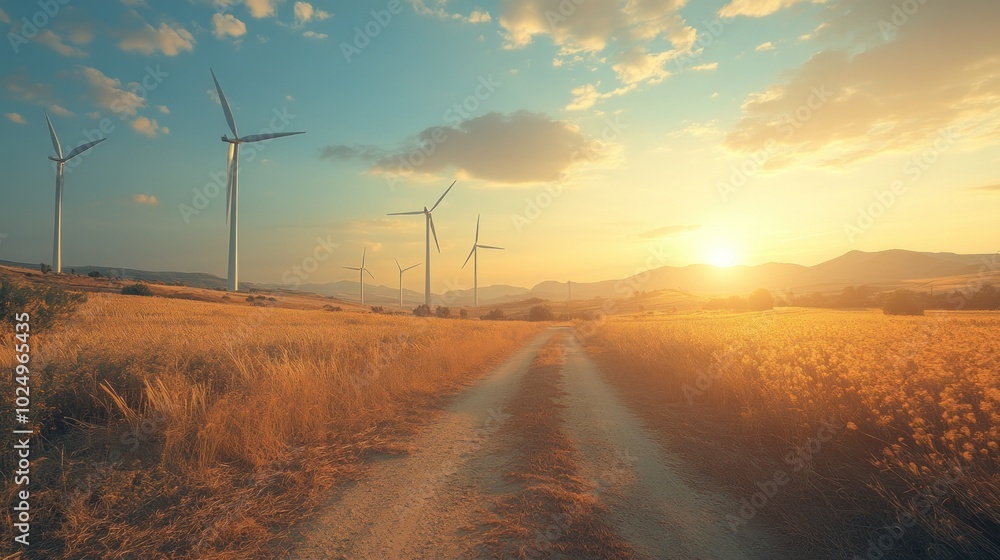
[(722, 257)]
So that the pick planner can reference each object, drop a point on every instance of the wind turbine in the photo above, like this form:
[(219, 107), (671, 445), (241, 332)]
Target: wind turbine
[(401, 271), (427, 235), (361, 272), (232, 179), (475, 263), (60, 161)]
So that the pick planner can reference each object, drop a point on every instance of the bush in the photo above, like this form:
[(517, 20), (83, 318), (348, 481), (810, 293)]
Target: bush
[(541, 313), (463, 313), (46, 305), (494, 315), (422, 310), (137, 289), (45, 268), (760, 300), (94, 274), (378, 309), (902, 302), (250, 299), (328, 307), (443, 312)]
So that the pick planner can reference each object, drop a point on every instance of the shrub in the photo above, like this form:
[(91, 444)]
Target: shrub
[(250, 299), (46, 305), (443, 312), (422, 310), (541, 313), (137, 289), (494, 315), (902, 302), (760, 300), (328, 307), (463, 313), (94, 274), (378, 309), (45, 268)]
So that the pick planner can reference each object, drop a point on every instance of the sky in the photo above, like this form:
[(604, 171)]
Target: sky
[(594, 139)]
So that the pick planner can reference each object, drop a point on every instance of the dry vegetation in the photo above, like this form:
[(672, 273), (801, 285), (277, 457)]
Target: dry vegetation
[(554, 513), (918, 400), (187, 429)]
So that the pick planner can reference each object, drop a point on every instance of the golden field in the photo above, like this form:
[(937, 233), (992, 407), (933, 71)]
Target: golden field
[(185, 428), (917, 400)]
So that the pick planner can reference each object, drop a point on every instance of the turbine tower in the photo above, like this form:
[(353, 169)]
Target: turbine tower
[(361, 272), (475, 263), (401, 271), (60, 161), (232, 180), (427, 240)]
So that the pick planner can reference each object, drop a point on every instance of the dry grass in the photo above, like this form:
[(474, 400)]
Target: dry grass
[(918, 399), (554, 514), (187, 429)]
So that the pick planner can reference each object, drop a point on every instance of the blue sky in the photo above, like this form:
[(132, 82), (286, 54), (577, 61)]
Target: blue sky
[(668, 100)]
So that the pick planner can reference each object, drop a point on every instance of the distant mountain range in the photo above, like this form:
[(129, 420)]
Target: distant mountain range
[(886, 269)]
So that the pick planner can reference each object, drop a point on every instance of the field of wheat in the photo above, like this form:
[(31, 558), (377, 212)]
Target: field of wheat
[(184, 428), (917, 397)]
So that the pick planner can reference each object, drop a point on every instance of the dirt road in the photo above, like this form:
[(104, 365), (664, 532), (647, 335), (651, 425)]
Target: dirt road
[(435, 502)]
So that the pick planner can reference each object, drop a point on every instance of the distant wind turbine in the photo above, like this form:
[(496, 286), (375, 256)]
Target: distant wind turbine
[(232, 179), (60, 161), (427, 235), (361, 272), (401, 271), (475, 263)]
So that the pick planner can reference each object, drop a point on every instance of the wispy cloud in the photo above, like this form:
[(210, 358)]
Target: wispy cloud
[(145, 199), (149, 127), (167, 39), (666, 231), (226, 25), (15, 118)]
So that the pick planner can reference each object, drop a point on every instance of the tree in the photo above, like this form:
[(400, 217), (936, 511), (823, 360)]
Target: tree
[(422, 310), (463, 313), (494, 315), (760, 300), (137, 289), (45, 268), (902, 302), (541, 313), (443, 312)]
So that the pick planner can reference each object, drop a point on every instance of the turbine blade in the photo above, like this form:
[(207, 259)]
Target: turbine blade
[(351, 267), (363, 253), (83, 148), (55, 139), (489, 247), (406, 213), (444, 195), (225, 105), (470, 256), (230, 163), (397, 264), (409, 267), (434, 231), (267, 136), (369, 273), (477, 229)]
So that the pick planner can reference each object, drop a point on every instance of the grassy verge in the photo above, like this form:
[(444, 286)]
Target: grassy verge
[(187, 429), (554, 514), (886, 427)]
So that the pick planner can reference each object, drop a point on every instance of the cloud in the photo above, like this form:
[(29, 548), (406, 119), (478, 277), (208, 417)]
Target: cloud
[(165, 39), (15, 118), (4, 18), (226, 25), (163, 109), (149, 127), (54, 42), (145, 199), (759, 8), (936, 71), (305, 12), (991, 188), (708, 66), (666, 231), (441, 12), (60, 110), (314, 35), (768, 46), (20, 86), (628, 35), (262, 8), (107, 93), (521, 147)]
